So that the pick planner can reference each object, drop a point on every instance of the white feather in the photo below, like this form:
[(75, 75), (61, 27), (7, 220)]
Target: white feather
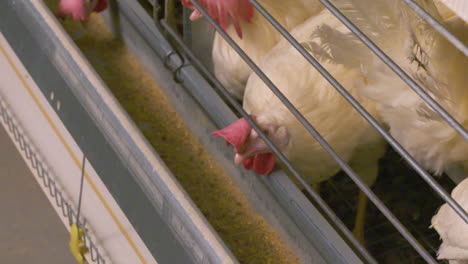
[(334, 118), (258, 38)]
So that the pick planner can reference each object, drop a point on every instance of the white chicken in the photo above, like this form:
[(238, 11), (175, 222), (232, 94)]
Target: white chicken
[(426, 56), (347, 132), (452, 229), (255, 35)]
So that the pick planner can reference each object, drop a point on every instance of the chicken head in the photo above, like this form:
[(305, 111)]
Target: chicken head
[(250, 148), (223, 11), (80, 9)]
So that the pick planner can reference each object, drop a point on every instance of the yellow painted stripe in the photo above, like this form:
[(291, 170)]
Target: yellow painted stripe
[(75, 158)]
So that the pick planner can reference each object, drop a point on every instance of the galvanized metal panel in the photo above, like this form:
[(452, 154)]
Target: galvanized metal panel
[(164, 217)]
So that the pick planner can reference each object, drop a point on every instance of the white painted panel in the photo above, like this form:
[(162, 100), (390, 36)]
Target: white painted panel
[(59, 151)]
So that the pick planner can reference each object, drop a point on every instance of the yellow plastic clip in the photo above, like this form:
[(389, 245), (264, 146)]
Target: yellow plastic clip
[(77, 246)]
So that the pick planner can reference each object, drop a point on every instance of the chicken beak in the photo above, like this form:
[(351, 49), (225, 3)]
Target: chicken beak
[(238, 158)]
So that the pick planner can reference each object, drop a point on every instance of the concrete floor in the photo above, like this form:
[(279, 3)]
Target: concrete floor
[(30, 230)]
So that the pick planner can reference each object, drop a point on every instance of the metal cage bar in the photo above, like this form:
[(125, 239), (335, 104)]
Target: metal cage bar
[(434, 185), (392, 65), (355, 104)]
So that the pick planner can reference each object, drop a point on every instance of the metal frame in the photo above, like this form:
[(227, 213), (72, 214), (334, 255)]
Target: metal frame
[(450, 120), (113, 134)]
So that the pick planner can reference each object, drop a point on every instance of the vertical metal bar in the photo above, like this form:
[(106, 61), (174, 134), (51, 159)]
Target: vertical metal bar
[(187, 25)]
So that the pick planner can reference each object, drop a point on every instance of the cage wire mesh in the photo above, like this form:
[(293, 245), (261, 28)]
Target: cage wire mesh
[(398, 184)]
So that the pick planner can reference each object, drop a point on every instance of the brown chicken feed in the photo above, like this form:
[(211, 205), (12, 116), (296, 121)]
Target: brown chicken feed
[(246, 233)]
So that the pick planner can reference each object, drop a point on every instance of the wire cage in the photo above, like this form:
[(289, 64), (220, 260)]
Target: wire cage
[(405, 196)]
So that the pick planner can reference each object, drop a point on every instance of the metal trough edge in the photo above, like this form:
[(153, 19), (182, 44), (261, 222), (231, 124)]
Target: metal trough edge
[(275, 197), (159, 209)]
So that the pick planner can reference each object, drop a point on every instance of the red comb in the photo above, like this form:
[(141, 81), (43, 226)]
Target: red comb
[(248, 163), (224, 10), (264, 163), (235, 134), (75, 8)]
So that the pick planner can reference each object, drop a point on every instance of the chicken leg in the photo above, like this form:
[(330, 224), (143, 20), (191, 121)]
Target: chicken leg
[(170, 10), (316, 187), (359, 222), (365, 164)]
